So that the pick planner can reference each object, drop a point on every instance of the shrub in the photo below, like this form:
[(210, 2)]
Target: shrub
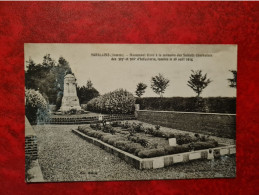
[(125, 125), (133, 147), (168, 134), (158, 133), (116, 124), (143, 142), (105, 138), (93, 126), (138, 127), (36, 107), (132, 131), (117, 102), (183, 139), (98, 126), (151, 153), (114, 139), (71, 111), (177, 149), (150, 130), (121, 145), (204, 145)]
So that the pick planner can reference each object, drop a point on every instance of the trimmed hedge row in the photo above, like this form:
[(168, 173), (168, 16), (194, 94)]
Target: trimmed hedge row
[(135, 147), (189, 104), (114, 140), (117, 102)]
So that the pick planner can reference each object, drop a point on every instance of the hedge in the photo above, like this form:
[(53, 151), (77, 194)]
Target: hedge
[(189, 104), (36, 107), (188, 143), (117, 102)]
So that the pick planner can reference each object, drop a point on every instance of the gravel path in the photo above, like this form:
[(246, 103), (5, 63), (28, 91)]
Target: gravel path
[(64, 156)]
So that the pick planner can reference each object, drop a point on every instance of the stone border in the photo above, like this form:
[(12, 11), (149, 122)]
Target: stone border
[(88, 120), (161, 161)]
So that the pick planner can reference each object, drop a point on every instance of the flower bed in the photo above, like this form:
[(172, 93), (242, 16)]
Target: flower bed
[(143, 141)]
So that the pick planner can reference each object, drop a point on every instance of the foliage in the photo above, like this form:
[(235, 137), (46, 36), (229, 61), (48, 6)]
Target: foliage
[(189, 104), (157, 127), (183, 139), (47, 77), (149, 153), (233, 81), (36, 107), (116, 124), (177, 149), (125, 125), (140, 89), (89, 84), (144, 148), (117, 102), (198, 82), (71, 111), (159, 84), (86, 93), (137, 127)]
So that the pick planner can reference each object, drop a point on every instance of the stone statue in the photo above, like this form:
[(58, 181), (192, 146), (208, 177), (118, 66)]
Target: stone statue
[(70, 99)]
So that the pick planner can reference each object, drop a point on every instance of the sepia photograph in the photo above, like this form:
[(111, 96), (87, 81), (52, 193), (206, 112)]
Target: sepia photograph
[(115, 112)]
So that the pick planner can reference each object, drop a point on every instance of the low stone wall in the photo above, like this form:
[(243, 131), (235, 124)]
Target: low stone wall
[(31, 149), (222, 125), (88, 120), (32, 168)]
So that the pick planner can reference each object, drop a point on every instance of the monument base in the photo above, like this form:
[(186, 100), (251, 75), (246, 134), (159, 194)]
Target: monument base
[(69, 108), (70, 104)]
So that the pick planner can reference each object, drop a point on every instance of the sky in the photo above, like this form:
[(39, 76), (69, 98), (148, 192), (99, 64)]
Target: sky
[(88, 61)]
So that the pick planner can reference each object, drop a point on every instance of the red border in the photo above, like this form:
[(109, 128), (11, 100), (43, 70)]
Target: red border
[(128, 22)]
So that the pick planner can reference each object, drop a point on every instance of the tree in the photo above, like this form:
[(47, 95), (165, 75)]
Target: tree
[(42, 77), (86, 93), (233, 81), (159, 84), (198, 82), (89, 84), (47, 77), (140, 89)]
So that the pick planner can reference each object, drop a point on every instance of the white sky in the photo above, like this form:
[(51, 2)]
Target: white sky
[(108, 75)]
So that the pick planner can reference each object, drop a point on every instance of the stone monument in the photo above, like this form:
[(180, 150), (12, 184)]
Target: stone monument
[(70, 100)]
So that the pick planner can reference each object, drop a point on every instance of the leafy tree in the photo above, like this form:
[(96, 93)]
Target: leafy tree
[(47, 78), (233, 81), (61, 70), (159, 84), (86, 93), (140, 89), (41, 77), (198, 82), (89, 84)]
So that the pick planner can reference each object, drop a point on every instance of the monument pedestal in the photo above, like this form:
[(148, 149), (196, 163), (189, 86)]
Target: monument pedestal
[(70, 100)]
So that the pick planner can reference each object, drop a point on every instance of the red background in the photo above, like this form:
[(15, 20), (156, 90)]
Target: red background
[(128, 22)]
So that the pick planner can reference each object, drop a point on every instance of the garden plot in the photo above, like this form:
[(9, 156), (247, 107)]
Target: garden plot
[(146, 146)]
